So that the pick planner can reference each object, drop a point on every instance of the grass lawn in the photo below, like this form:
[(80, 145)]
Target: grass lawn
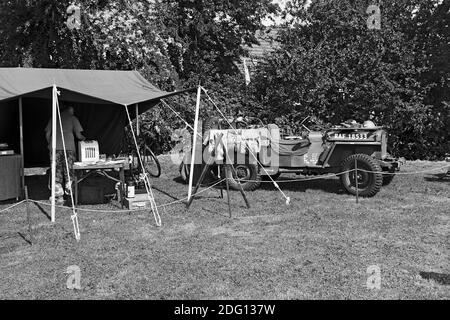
[(319, 247)]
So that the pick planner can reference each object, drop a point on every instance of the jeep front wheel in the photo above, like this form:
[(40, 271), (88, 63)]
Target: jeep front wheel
[(368, 177), (245, 175)]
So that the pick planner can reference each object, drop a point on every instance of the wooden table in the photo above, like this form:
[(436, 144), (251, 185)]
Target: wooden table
[(82, 171)]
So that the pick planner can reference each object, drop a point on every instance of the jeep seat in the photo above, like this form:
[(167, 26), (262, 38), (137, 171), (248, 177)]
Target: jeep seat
[(295, 147)]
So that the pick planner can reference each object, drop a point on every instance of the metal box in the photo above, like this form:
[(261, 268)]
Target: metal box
[(88, 151)]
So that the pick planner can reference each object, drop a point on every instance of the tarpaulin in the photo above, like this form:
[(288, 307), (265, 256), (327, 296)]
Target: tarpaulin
[(86, 86), (98, 97)]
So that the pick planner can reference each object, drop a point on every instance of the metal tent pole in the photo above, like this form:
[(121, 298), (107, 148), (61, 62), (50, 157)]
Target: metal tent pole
[(138, 131), (194, 146), (53, 160), (21, 141)]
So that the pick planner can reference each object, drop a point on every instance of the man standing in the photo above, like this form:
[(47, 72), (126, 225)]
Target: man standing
[(71, 128)]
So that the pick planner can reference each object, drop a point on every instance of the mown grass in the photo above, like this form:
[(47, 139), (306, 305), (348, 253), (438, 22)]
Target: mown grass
[(319, 247)]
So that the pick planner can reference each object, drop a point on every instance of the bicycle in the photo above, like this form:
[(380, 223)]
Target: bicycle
[(150, 162)]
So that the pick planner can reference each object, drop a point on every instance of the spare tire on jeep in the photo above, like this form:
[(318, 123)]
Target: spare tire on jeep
[(368, 177)]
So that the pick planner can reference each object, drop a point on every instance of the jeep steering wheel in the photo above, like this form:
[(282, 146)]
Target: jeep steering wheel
[(240, 124), (303, 123)]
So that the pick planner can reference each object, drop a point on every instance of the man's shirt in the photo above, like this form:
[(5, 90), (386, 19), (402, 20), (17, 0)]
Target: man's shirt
[(70, 126)]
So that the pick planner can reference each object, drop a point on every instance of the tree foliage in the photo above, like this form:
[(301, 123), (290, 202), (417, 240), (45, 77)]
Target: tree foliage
[(118, 35), (174, 44), (332, 66), (329, 64)]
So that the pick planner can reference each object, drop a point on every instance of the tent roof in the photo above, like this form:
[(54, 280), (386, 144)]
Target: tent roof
[(95, 86)]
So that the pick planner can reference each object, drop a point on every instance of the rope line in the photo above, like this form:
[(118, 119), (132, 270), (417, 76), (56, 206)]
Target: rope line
[(219, 182), (197, 193), (348, 171), (405, 173), (177, 114), (13, 206), (117, 211), (288, 199)]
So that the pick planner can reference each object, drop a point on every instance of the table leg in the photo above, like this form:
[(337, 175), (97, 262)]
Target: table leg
[(75, 176), (122, 186)]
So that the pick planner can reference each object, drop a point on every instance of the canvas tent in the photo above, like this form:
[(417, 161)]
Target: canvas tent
[(98, 97), (103, 100)]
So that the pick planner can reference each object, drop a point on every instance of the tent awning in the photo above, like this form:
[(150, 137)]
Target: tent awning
[(85, 86)]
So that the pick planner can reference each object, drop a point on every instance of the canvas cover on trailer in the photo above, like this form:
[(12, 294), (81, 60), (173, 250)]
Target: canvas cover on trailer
[(98, 97)]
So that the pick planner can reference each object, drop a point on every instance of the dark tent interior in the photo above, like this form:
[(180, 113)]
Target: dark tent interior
[(98, 97), (102, 122)]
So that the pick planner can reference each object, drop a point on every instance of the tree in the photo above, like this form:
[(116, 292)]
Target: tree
[(119, 35), (332, 66), (215, 33)]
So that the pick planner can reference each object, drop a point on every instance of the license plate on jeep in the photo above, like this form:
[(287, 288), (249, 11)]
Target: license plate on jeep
[(353, 136)]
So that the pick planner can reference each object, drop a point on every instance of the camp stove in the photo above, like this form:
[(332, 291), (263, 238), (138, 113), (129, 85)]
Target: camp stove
[(88, 151)]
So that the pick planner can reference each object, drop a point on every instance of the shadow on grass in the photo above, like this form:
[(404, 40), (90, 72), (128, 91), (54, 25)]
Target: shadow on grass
[(224, 213), (327, 185), (440, 278), (179, 180), (43, 211), (166, 193), (24, 238), (12, 235), (208, 181), (438, 177)]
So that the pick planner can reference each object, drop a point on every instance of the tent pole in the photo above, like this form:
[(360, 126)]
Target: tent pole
[(191, 172), (53, 209), (21, 142), (137, 120)]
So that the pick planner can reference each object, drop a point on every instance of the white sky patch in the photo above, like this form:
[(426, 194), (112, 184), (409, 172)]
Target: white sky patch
[(277, 20)]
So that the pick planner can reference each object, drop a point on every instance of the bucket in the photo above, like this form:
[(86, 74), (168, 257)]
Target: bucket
[(130, 189)]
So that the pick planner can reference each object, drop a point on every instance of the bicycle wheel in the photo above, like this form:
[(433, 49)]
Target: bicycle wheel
[(150, 162)]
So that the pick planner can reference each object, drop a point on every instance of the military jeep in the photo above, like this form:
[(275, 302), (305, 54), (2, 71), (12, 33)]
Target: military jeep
[(334, 150)]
